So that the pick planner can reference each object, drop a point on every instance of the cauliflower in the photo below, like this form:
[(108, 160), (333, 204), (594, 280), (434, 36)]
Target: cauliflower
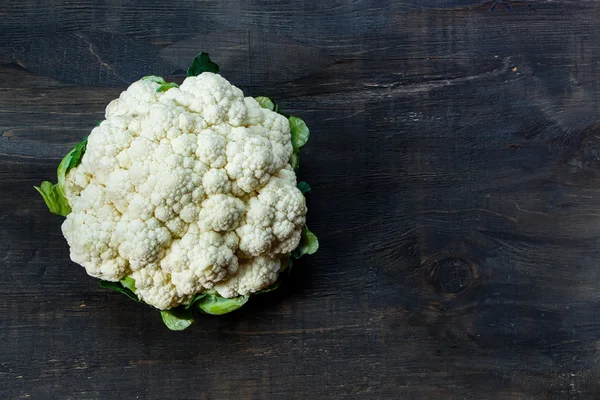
[(185, 194)]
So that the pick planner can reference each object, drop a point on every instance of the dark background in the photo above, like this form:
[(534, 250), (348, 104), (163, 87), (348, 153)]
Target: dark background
[(455, 166)]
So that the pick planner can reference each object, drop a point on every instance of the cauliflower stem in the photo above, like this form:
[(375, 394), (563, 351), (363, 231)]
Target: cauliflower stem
[(185, 196)]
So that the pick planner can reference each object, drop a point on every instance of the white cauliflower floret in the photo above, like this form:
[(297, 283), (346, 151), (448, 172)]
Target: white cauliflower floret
[(221, 213), (104, 145), (94, 220), (252, 160), (210, 149), (140, 242), (200, 259), (185, 190), (272, 220), (136, 100), (252, 275), (155, 287)]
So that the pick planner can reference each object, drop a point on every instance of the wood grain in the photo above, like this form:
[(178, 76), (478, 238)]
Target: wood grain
[(454, 161)]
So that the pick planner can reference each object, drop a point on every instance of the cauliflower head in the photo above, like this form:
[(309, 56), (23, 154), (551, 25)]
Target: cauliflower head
[(185, 189)]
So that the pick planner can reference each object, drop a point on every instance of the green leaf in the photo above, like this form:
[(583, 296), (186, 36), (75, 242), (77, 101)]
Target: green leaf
[(71, 160), (309, 244), (54, 199), (299, 132), (266, 102), (128, 283), (295, 160), (166, 86), (118, 287), (217, 305), (155, 79), (195, 299), (274, 286), (303, 186), (288, 267), (202, 63), (177, 319), (53, 195), (99, 122)]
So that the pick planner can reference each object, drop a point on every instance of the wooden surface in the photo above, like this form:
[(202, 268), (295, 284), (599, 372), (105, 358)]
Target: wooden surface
[(455, 165)]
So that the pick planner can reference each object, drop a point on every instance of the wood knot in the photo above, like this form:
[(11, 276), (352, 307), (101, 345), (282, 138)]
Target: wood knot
[(453, 275)]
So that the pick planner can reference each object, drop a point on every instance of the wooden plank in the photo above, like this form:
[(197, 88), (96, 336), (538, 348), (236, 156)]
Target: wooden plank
[(455, 174)]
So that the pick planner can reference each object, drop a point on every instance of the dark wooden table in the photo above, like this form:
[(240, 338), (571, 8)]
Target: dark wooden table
[(455, 165)]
